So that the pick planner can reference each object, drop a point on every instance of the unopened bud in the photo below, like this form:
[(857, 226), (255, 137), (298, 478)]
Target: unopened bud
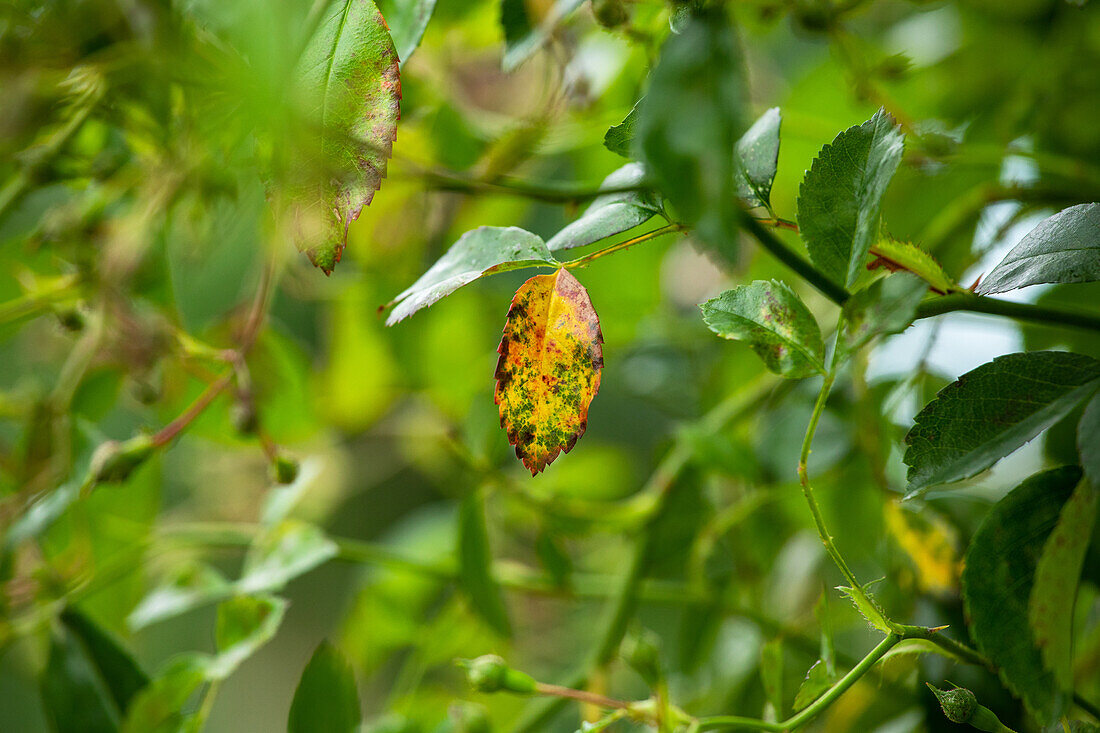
[(961, 706), (285, 468), (113, 461), (640, 650), (490, 673), (610, 13)]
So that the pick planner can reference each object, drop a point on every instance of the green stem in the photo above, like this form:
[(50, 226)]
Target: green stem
[(583, 261), (779, 249), (548, 191), (811, 711), (804, 457), (940, 305), (1007, 309)]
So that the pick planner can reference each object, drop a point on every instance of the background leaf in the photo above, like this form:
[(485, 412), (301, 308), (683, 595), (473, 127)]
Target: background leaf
[(473, 255), (689, 122), (327, 700), (771, 319), (475, 565), (407, 20), (1050, 608), (817, 681), (74, 691), (619, 138), (611, 213), (993, 410), (524, 33), (1088, 440), (841, 196), (997, 582), (548, 373), (884, 307), (121, 674), (1063, 249)]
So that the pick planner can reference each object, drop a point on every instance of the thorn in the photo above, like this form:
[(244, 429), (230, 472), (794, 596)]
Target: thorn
[(937, 629)]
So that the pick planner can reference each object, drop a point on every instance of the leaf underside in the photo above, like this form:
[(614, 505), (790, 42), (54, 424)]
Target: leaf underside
[(551, 355), (610, 214), (351, 76), (474, 254), (1063, 249)]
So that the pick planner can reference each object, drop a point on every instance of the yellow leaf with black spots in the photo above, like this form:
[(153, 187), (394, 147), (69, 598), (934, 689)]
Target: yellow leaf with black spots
[(551, 355)]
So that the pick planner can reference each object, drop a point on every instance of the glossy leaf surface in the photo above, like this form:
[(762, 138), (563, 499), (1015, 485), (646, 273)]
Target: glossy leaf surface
[(1063, 249)]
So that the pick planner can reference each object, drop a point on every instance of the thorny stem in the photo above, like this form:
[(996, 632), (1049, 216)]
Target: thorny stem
[(247, 338), (591, 698), (811, 711), (804, 457), (583, 261)]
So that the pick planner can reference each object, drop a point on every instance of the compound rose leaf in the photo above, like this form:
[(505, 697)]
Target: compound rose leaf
[(551, 355)]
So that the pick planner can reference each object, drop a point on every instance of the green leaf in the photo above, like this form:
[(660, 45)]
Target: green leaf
[(610, 214), (326, 700), (817, 681), (689, 123), (997, 583), (1050, 608), (884, 307), (1088, 440), (868, 608), (74, 693), (189, 587), (993, 410), (120, 673), (1063, 249), (158, 707), (244, 624), (289, 549), (620, 138), (895, 254), (473, 255), (349, 70), (841, 196), (277, 556), (770, 318), (771, 675), (407, 20), (524, 34), (758, 158), (475, 564)]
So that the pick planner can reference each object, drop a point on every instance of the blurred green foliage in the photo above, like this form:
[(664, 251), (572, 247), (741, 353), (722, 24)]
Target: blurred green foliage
[(143, 147)]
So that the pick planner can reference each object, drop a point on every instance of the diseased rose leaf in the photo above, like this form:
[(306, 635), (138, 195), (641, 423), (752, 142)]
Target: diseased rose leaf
[(551, 355), (473, 255), (770, 318), (349, 75)]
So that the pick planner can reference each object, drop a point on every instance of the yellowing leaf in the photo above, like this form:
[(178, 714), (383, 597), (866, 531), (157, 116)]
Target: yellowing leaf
[(930, 543), (551, 354)]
